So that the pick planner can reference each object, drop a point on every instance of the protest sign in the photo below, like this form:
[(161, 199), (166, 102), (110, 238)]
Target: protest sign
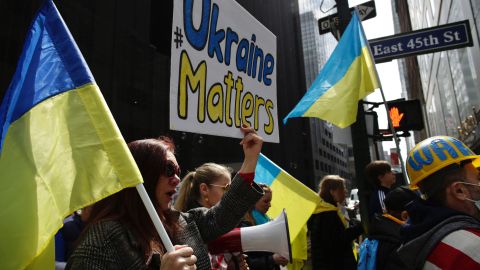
[(223, 70)]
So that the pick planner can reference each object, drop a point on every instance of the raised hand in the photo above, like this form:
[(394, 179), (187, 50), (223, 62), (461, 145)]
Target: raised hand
[(252, 146)]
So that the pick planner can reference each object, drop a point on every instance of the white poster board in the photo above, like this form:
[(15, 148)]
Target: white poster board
[(223, 70)]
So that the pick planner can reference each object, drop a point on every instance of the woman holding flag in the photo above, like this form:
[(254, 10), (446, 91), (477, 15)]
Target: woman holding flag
[(331, 238), (120, 234)]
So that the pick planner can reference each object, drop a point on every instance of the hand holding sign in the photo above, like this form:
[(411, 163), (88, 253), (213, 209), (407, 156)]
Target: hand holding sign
[(252, 146)]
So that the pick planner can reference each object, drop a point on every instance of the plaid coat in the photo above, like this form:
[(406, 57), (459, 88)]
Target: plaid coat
[(110, 245)]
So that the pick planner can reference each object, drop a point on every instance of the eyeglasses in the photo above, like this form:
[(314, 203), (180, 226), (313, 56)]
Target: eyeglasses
[(225, 188), (171, 169)]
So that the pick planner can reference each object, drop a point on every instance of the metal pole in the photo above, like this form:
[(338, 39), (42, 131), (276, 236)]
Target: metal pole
[(361, 151), (155, 218), (395, 138)]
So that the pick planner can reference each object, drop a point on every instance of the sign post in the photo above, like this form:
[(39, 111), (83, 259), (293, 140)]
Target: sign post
[(365, 10)]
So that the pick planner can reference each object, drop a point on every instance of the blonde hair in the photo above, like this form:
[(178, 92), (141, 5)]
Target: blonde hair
[(189, 193)]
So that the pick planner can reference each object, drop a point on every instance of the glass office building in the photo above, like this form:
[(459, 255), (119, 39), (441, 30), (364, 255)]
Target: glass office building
[(449, 78)]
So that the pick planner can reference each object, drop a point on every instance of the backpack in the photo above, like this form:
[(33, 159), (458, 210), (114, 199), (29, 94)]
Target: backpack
[(368, 255)]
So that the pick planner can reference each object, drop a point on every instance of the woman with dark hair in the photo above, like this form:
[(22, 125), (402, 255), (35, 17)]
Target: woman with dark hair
[(331, 238), (120, 234)]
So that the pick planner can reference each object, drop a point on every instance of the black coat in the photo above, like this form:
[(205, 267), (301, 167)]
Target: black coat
[(387, 232), (331, 242), (111, 245)]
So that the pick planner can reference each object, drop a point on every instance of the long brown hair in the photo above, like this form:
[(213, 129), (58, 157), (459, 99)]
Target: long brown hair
[(189, 193), (126, 205), (329, 183)]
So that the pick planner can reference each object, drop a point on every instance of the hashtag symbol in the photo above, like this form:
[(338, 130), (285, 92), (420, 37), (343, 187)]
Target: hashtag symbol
[(178, 37)]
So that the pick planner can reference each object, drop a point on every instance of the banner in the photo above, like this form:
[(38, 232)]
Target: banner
[(223, 70)]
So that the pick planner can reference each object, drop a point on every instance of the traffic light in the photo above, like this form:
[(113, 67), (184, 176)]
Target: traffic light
[(406, 114)]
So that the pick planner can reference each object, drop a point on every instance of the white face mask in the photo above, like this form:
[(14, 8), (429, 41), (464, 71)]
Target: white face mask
[(476, 202)]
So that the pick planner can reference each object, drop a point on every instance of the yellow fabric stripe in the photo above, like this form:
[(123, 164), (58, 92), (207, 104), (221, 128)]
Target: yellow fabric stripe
[(299, 250), (110, 136), (339, 104), (299, 202), (324, 206), (45, 260), (394, 219), (62, 155)]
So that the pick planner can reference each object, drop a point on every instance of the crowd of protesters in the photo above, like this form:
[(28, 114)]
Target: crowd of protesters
[(432, 224)]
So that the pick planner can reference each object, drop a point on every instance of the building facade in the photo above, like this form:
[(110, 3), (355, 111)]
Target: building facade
[(127, 47), (449, 79)]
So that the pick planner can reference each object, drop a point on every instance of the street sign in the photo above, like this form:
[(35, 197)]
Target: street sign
[(366, 11), (427, 40)]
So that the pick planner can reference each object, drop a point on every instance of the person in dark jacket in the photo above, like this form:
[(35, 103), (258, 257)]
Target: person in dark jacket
[(120, 234), (385, 228), (259, 260), (67, 237), (331, 238), (443, 231), (380, 175)]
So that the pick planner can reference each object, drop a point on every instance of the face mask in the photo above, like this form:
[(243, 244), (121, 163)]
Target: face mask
[(476, 202)]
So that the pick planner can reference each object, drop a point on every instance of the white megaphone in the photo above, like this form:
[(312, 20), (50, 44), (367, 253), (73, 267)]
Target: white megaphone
[(272, 236)]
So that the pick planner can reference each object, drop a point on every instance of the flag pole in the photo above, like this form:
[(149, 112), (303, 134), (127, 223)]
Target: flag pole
[(392, 129), (167, 243)]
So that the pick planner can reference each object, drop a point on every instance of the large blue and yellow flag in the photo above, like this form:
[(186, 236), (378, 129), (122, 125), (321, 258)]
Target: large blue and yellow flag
[(298, 200), (348, 76), (60, 148)]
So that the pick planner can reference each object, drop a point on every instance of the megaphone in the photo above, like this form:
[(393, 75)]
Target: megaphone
[(272, 236)]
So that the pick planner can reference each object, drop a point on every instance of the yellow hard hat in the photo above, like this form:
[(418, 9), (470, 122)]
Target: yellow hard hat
[(476, 163), (434, 154)]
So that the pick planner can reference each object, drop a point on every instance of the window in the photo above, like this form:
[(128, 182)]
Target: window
[(435, 114), (445, 86), (462, 68)]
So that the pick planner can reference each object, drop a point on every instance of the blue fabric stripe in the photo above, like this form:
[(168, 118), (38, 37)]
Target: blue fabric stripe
[(266, 171), (348, 48), (50, 64)]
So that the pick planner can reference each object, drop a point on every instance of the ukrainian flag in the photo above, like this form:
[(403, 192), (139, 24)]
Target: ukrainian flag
[(60, 148), (298, 200), (348, 76)]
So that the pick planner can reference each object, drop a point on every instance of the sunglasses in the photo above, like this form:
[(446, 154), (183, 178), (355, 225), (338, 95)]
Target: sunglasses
[(171, 170), (225, 188)]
